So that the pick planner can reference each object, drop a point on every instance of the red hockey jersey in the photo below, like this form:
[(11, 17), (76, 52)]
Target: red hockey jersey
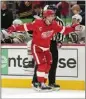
[(42, 33)]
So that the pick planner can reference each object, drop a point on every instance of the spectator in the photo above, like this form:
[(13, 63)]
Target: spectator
[(25, 9), (37, 10), (82, 5), (77, 36), (6, 16), (16, 37), (41, 3), (65, 8), (82, 13), (76, 18)]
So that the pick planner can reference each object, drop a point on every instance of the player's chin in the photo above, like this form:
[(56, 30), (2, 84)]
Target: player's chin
[(49, 22)]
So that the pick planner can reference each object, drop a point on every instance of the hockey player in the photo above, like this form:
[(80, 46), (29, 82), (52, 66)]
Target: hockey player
[(77, 19), (17, 36), (43, 30), (57, 39)]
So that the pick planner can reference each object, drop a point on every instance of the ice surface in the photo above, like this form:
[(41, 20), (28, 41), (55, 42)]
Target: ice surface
[(31, 93)]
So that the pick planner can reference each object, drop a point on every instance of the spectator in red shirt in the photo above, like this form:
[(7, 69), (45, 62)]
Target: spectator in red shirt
[(65, 8)]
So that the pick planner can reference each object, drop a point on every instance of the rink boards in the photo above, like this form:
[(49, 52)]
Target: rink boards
[(18, 67)]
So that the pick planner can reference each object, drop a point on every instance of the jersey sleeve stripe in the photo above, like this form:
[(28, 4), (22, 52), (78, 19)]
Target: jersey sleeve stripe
[(62, 31), (25, 27)]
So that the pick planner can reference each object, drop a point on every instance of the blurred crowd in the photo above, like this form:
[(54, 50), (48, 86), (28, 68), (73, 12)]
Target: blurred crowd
[(22, 10)]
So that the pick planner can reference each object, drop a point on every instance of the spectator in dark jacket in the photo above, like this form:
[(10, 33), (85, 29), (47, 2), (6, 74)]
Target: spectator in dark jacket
[(82, 13), (37, 10), (24, 10), (6, 16)]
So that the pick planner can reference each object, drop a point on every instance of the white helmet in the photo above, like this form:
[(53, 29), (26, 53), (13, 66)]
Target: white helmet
[(46, 7), (17, 22), (77, 17)]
